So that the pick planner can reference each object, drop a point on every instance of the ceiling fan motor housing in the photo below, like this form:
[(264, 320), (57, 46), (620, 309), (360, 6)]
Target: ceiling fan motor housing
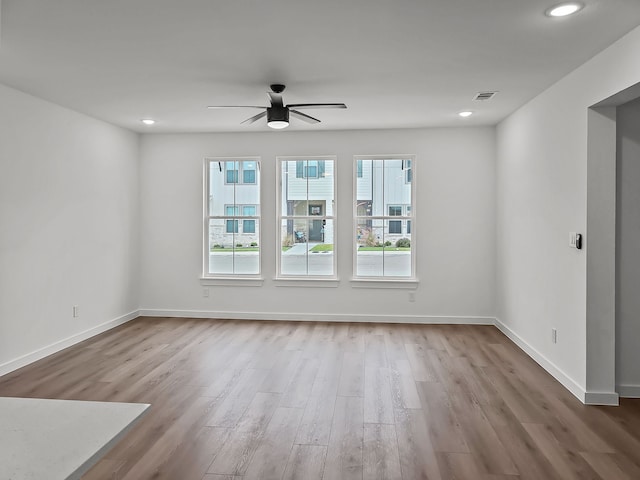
[(277, 114)]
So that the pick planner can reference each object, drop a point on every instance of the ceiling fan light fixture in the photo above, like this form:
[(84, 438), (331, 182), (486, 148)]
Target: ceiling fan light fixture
[(564, 9), (278, 117), (278, 124)]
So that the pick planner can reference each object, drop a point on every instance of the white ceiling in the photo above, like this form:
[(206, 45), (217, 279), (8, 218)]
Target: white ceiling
[(395, 63)]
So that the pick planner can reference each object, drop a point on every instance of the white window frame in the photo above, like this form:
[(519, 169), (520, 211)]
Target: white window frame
[(408, 214), (305, 280), (240, 279)]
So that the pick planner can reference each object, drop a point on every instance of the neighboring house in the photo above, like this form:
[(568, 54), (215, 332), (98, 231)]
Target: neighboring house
[(237, 194), (383, 190), (312, 180)]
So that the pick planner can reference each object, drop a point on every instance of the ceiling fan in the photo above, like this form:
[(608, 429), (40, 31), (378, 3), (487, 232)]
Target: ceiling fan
[(278, 113)]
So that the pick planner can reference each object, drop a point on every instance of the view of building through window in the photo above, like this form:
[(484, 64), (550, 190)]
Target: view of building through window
[(233, 217), (384, 217), (307, 217), (383, 207)]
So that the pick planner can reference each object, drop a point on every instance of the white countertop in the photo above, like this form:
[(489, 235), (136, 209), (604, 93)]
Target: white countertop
[(59, 439)]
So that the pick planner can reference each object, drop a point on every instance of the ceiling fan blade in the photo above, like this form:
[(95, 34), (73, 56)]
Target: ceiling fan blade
[(276, 99), (303, 116), (234, 106), (255, 117), (317, 105)]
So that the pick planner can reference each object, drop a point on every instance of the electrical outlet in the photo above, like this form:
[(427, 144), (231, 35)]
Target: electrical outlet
[(76, 311), (205, 292), (554, 335), (412, 296)]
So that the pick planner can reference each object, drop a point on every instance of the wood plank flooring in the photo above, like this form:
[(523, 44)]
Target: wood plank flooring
[(332, 401)]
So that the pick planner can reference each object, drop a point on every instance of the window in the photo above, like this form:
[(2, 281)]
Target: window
[(384, 217), (248, 226), (395, 211), (249, 210), (233, 169), (232, 172), (232, 226), (249, 172), (232, 217), (306, 217), (310, 168)]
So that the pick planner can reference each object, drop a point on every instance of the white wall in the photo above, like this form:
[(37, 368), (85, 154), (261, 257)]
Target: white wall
[(628, 251), (541, 197), (68, 226), (455, 226)]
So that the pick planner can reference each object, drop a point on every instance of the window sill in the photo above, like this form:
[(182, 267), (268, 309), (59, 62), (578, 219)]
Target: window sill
[(306, 282), (408, 284), (232, 281)]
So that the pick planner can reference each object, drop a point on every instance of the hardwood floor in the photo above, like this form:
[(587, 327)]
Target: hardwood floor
[(331, 401)]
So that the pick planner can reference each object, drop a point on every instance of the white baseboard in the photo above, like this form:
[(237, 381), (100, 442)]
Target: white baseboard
[(320, 317), (588, 398), (602, 398), (20, 362), (629, 391), (545, 363)]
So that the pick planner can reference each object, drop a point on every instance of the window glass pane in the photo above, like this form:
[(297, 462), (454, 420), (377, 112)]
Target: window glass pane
[(370, 188), (221, 193), (220, 248), (232, 226), (248, 172), (249, 210), (397, 257), (384, 245), (295, 248), (249, 176), (230, 253), (321, 190), (369, 258), (312, 171), (248, 226), (294, 190), (320, 258), (247, 258), (232, 246), (396, 190), (232, 172), (307, 199)]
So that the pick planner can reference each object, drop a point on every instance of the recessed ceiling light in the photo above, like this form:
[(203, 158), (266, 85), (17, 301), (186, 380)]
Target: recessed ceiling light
[(148, 121), (564, 9), (465, 114)]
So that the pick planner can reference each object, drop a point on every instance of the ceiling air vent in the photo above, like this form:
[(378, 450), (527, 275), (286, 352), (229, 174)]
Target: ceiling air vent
[(482, 96)]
